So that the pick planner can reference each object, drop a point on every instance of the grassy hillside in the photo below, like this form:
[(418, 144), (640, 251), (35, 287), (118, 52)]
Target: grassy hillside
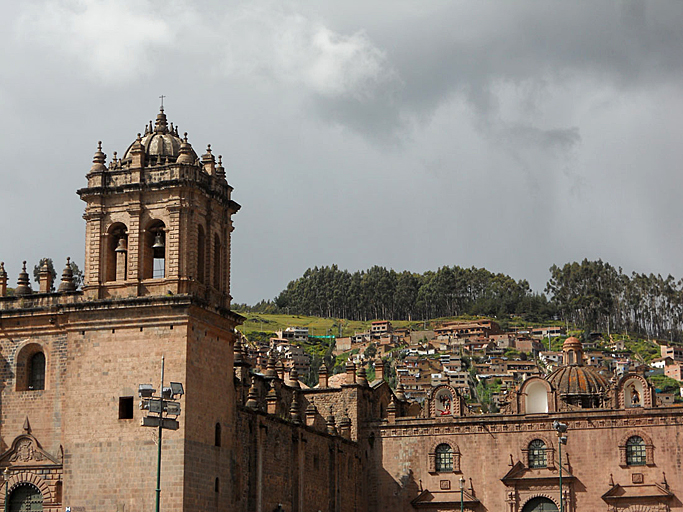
[(269, 323)]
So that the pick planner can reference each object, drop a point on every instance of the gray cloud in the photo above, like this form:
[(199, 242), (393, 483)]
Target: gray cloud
[(511, 135)]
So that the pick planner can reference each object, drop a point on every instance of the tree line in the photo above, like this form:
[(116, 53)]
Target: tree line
[(590, 295), (384, 293), (596, 295)]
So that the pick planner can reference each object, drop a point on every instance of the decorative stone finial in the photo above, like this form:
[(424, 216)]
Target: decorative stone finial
[(379, 369), (400, 395), (331, 426), (294, 378), (345, 425), (391, 410), (27, 426), (23, 283), (209, 161), (3, 279), (67, 284), (270, 369), (323, 380), (237, 351), (294, 413), (160, 125), (99, 159), (45, 278), (185, 156), (350, 372), (271, 401), (252, 399), (311, 413), (220, 170), (362, 377)]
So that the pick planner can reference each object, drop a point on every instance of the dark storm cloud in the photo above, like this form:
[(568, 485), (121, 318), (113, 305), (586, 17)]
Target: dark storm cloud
[(511, 135)]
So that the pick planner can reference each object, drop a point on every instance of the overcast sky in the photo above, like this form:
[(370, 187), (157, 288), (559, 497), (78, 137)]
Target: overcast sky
[(408, 134)]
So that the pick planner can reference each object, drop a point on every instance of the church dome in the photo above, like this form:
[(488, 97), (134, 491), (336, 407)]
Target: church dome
[(578, 380), (161, 144), (576, 384)]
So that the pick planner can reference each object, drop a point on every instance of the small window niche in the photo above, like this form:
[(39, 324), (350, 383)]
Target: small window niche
[(126, 408)]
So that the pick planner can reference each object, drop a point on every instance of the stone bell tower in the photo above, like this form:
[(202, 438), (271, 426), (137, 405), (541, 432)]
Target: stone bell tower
[(158, 220)]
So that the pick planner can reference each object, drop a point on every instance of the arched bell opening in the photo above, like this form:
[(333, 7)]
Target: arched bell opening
[(116, 257), (154, 266)]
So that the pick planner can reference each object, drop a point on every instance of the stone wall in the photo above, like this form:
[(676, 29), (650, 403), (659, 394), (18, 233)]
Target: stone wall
[(490, 446)]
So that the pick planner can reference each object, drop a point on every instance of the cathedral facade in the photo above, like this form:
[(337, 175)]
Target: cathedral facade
[(249, 436)]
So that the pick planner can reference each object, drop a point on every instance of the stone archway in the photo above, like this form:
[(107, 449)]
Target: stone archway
[(26, 498), (540, 504)]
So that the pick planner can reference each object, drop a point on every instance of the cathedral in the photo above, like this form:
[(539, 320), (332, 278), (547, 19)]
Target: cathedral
[(135, 392)]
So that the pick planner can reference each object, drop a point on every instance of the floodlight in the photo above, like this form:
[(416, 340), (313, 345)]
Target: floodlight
[(177, 389), (166, 393), (560, 427), (145, 390)]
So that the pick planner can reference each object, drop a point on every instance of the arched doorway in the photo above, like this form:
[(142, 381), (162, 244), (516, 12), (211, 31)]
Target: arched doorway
[(540, 505), (26, 498)]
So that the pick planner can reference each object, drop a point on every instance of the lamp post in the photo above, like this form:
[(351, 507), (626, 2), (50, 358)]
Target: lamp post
[(6, 475), (161, 404), (462, 494), (561, 429)]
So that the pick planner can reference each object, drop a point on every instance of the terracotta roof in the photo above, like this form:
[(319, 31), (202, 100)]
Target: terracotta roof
[(578, 380)]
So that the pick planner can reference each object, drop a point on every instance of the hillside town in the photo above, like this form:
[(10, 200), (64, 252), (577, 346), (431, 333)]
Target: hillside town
[(476, 357)]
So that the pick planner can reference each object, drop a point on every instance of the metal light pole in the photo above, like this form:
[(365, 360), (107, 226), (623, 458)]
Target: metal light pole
[(561, 429), (161, 431), (160, 404), (6, 474), (462, 494)]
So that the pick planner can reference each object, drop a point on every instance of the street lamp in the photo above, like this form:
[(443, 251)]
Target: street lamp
[(160, 405), (462, 494), (561, 429), (6, 475)]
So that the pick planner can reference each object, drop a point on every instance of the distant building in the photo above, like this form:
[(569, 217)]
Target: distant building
[(294, 334), (675, 352), (380, 327), (475, 328)]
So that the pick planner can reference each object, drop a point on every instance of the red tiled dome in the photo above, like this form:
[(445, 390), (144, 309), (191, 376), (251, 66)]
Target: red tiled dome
[(578, 380)]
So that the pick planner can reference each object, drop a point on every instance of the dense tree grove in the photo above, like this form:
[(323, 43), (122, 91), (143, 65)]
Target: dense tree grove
[(382, 293), (590, 295), (595, 295)]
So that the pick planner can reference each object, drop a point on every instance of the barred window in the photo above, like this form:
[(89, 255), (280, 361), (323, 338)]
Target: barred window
[(444, 458), (538, 457), (635, 451), (36, 372)]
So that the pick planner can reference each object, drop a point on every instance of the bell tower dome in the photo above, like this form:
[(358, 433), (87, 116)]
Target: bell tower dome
[(158, 220)]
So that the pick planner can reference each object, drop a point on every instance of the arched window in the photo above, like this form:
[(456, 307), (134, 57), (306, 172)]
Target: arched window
[(36, 371), (444, 458), (538, 456), (155, 251), (635, 451), (217, 260), (540, 505), (116, 258), (201, 253), (217, 435), (26, 497)]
